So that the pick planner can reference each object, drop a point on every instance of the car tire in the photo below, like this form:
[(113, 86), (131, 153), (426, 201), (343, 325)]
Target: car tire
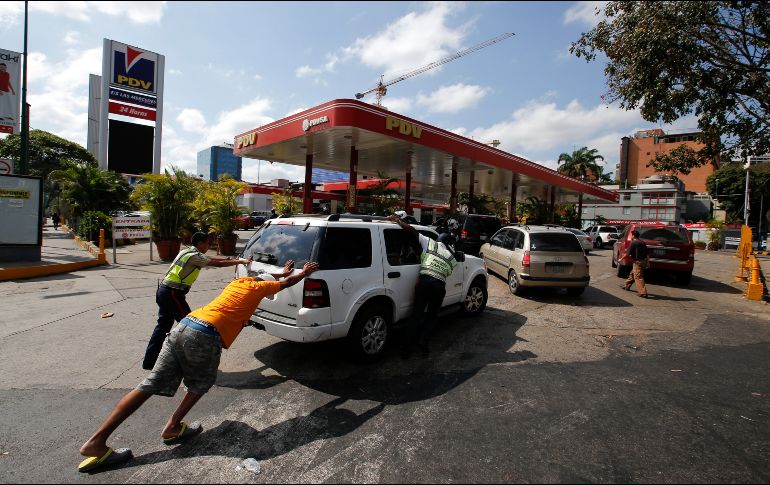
[(599, 243), (575, 291), (683, 277), (476, 299), (513, 283), (368, 335)]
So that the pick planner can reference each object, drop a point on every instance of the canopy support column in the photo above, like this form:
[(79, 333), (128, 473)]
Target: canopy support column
[(408, 192), (350, 202), (453, 190), (580, 210), (470, 190), (512, 205), (307, 198), (553, 203)]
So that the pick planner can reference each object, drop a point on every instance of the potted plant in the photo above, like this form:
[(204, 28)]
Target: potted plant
[(167, 197), (223, 212)]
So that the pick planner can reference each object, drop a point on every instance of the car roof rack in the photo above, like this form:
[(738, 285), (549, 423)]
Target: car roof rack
[(361, 217)]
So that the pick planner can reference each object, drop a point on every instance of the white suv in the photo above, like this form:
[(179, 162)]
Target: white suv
[(368, 272), (603, 235)]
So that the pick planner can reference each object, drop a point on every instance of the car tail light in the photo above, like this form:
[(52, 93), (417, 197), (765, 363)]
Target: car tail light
[(463, 234), (526, 260), (590, 239), (692, 251), (315, 294)]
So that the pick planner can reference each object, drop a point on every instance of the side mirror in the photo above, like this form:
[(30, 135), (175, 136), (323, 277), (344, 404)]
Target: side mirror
[(460, 256)]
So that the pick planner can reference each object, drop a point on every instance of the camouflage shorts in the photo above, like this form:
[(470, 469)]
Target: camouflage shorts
[(187, 354)]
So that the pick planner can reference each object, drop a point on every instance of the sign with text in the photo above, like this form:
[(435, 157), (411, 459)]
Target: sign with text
[(20, 206), (6, 167), (133, 111), (130, 221), (128, 233), (134, 98), (10, 74), (133, 68), (130, 228)]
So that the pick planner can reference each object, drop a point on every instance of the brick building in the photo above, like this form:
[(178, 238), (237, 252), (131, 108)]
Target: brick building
[(638, 151)]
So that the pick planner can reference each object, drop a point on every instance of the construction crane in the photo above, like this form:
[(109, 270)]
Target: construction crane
[(381, 88)]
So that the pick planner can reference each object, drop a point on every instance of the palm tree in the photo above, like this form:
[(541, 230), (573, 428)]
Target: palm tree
[(581, 164), (84, 187)]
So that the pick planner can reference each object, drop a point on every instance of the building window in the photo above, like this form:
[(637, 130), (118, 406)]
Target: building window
[(626, 196), (659, 198), (626, 211)]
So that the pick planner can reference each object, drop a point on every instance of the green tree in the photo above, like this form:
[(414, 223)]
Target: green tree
[(286, 204), (475, 204), (223, 205), (382, 196), (680, 160), (168, 197), (83, 188), (534, 211), (582, 164), (47, 152), (732, 185), (674, 58)]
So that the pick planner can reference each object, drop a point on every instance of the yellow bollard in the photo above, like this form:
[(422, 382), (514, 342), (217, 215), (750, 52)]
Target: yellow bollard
[(755, 289), (102, 258)]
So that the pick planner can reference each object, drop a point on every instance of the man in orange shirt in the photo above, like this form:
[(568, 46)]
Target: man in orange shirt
[(191, 352)]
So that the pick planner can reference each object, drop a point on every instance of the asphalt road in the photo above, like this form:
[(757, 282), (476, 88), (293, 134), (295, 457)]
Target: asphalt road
[(607, 387)]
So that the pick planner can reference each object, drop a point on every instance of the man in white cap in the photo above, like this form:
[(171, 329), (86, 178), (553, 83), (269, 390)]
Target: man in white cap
[(191, 353)]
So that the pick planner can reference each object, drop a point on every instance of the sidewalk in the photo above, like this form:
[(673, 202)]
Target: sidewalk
[(60, 253)]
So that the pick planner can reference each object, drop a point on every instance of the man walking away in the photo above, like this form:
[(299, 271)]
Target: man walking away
[(190, 353), (55, 219), (436, 264), (638, 253), (170, 297)]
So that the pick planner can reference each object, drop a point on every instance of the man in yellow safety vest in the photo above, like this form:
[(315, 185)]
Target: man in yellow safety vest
[(170, 297)]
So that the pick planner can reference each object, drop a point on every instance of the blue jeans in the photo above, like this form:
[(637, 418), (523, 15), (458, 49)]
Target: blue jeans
[(172, 306)]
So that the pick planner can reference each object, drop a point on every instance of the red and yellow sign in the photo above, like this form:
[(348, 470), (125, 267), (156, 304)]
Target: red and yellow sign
[(133, 111)]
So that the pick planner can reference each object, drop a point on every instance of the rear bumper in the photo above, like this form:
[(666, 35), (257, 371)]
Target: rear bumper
[(535, 281), (671, 264), (288, 329)]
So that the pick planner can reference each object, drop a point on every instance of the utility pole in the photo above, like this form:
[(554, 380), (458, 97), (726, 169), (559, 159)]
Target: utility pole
[(24, 157), (746, 201)]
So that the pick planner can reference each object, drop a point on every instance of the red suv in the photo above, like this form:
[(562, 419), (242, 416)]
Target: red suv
[(670, 250)]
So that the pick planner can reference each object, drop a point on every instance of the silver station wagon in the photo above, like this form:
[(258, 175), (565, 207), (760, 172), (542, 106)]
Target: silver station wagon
[(537, 256)]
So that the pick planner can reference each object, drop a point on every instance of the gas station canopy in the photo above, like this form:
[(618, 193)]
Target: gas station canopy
[(359, 138)]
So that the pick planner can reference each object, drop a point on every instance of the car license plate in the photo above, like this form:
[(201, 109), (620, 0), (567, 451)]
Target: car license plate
[(556, 268), (659, 252)]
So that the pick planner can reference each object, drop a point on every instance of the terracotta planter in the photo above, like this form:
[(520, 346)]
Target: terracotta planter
[(227, 244), (168, 249)]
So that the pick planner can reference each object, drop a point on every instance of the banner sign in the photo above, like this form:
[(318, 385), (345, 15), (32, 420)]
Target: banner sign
[(130, 221), (133, 68), (10, 76), (134, 112), (134, 98)]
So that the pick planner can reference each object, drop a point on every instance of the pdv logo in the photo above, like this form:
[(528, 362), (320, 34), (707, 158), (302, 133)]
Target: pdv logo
[(134, 68)]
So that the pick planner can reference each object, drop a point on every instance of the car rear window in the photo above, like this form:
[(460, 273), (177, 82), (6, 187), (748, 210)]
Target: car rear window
[(345, 248), (608, 229), (664, 234), (554, 242), (278, 243)]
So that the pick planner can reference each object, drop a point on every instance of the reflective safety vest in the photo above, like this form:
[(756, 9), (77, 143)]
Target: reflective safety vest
[(437, 261), (181, 275)]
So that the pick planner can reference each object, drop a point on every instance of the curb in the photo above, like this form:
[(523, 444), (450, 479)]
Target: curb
[(35, 271)]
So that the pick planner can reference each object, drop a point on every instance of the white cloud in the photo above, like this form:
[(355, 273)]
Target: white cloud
[(192, 120), (414, 40), (544, 127), (72, 37), (584, 12), (11, 13), (175, 72), (257, 77), (145, 13), (454, 98), (304, 71), (263, 172), (398, 105), (294, 111)]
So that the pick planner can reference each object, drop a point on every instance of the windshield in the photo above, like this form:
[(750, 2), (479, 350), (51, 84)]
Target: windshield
[(665, 234), (278, 243), (576, 231), (554, 242)]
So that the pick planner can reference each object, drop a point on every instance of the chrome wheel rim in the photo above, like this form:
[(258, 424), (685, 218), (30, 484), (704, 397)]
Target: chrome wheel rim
[(513, 284), (474, 299), (374, 335)]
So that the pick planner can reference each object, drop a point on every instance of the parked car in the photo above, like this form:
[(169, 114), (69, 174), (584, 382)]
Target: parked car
[(475, 230), (670, 249), (586, 241), (365, 284), (537, 256), (243, 221), (602, 235), (258, 218)]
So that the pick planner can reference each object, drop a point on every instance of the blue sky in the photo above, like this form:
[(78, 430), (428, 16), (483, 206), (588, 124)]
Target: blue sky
[(232, 66)]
